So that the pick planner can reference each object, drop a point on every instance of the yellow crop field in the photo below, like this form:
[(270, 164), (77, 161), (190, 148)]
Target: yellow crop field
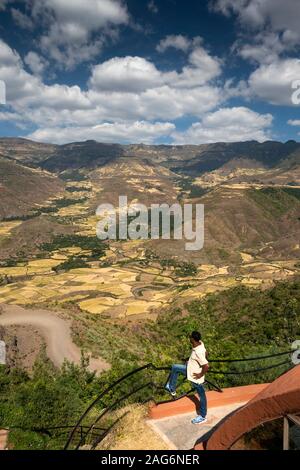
[(74, 210), (93, 306), (139, 307), (43, 263)]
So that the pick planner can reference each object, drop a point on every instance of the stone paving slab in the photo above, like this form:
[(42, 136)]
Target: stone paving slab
[(180, 434)]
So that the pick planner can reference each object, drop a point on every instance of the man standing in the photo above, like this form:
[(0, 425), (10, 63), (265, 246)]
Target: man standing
[(195, 371)]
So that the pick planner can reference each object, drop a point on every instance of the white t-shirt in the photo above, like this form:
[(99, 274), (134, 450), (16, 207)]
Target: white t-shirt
[(195, 364)]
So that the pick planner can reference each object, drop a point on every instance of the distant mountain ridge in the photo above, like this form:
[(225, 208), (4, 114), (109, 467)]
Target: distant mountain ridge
[(190, 160)]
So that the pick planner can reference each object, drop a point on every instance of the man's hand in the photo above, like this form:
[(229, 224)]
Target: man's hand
[(198, 376)]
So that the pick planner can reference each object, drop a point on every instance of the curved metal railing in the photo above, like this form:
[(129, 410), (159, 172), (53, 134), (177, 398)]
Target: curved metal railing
[(99, 411)]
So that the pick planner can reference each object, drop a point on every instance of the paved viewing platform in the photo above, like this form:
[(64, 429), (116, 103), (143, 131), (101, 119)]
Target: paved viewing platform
[(172, 420)]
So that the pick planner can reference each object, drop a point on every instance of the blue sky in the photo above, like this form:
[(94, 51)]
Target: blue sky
[(169, 71)]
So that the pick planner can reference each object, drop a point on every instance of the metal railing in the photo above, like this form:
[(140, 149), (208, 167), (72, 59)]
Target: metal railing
[(98, 411), (137, 386)]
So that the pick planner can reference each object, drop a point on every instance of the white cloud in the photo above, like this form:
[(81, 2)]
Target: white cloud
[(265, 48), (271, 38), (129, 74), (294, 122), (273, 82), (21, 19), (74, 31), (69, 39), (8, 57), (139, 92), (179, 42), (134, 132), (63, 113), (202, 69), (273, 26), (227, 125), (27, 92), (281, 15), (135, 74), (8, 116), (35, 62)]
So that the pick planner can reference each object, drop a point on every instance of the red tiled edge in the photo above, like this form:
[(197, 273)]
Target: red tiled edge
[(215, 399)]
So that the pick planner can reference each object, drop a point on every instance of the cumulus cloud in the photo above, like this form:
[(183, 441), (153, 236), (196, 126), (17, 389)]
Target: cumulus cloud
[(179, 42), (128, 99), (294, 122), (135, 132), (227, 125), (26, 91), (73, 25), (21, 19), (131, 74), (136, 74), (35, 62), (125, 90), (275, 23), (264, 49), (281, 15), (270, 38), (202, 69), (273, 82), (74, 31)]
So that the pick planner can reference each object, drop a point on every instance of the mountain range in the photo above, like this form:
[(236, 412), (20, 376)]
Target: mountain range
[(250, 189), (186, 159)]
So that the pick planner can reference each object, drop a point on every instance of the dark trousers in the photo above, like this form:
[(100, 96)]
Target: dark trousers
[(178, 369)]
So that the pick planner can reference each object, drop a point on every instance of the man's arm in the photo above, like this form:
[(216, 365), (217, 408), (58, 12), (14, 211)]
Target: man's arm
[(205, 369)]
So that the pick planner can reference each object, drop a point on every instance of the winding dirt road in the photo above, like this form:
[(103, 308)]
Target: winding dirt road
[(55, 331)]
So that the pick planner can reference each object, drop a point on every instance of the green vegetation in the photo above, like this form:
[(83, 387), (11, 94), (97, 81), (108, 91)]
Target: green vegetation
[(275, 200), (234, 323), (267, 436), (189, 189), (295, 192), (182, 269), (72, 175), (223, 254), (72, 263), (89, 244), (61, 203), (85, 243), (50, 398), (11, 262), (77, 189), (4, 280), (16, 218), (240, 322), (52, 209), (186, 270)]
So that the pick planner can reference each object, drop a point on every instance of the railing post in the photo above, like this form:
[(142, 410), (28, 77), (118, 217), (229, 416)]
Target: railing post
[(286, 434)]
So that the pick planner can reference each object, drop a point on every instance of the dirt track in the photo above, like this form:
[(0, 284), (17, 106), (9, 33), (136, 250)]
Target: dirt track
[(55, 331)]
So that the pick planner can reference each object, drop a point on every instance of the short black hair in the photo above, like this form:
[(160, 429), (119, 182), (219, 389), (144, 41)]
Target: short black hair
[(196, 336)]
